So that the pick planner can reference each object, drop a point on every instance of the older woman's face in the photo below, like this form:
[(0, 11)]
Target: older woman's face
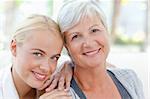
[(35, 60), (87, 42)]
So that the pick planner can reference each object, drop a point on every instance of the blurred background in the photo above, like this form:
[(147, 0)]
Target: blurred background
[(128, 23)]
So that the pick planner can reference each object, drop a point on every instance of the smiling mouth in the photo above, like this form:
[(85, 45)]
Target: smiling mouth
[(39, 76), (91, 53)]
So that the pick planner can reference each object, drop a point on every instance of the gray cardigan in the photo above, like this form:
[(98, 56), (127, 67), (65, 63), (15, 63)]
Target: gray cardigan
[(129, 80)]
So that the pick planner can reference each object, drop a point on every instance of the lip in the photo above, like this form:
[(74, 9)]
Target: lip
[(39, 76), (92, 52)]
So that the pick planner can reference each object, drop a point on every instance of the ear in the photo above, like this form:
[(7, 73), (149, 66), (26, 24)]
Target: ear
[(13, 47)]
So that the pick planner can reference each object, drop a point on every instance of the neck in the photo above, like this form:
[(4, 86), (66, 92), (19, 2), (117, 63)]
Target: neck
[(90, 78), (23, 89)]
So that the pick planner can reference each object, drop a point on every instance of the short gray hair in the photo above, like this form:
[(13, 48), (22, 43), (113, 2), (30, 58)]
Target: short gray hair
[(73, 11)]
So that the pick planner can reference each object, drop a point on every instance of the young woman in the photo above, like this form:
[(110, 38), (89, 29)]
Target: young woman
[(36, 47)]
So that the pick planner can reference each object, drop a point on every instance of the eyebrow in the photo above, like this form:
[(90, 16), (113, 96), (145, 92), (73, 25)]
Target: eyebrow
[(88, 29), (45, 53), (72, 33), (38, 50), (93, 26)]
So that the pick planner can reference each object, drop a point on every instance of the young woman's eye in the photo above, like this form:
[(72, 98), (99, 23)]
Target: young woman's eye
[(37, 54), (94, 30)]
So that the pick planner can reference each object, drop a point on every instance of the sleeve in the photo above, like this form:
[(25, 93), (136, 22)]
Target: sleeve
[(130, 81), (61, 62), (137, 84)]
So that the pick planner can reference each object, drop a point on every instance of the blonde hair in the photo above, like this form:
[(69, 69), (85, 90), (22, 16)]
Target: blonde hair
[(72, 13), (35, 22)]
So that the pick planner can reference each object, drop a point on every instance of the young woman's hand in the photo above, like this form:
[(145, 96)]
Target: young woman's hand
[(56, 94)]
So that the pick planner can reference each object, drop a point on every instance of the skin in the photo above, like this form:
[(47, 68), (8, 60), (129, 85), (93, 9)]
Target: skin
[(61, 79), (89, 37), (34, 61), (56, 94), (88, 45)]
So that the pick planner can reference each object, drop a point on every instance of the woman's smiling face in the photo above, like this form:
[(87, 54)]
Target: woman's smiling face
[(87, 42), (36, 58)]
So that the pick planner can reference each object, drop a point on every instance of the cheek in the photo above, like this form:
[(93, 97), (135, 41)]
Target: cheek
[(26, 61), (71, 50), (104, 39), (73, 47), (53, 68), (22, 66), (106, 44)]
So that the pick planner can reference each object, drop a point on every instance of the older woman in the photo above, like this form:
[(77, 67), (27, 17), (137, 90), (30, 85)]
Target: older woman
[(35, 47), (84, 29)]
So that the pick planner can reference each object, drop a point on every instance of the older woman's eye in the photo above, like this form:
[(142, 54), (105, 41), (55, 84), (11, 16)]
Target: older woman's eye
[(37, 54), (74, 37), (94, 30)]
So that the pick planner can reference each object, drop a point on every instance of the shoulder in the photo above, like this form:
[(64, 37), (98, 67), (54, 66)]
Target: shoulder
[(126, 75), (123, 73), (2, 73), (130, 81)]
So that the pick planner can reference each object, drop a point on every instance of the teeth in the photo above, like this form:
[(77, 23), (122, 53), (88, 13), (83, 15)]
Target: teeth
[(90, 53), (39, 76)]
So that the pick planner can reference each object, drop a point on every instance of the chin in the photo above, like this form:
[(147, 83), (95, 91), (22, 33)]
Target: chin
[(94, 64), (36, 85)]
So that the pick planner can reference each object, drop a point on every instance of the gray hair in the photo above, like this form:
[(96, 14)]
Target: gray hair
[(34, 22), (73, 11)]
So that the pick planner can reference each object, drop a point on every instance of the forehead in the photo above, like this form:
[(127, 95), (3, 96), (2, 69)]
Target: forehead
[(43, 39), (43, 33), (86, 22)]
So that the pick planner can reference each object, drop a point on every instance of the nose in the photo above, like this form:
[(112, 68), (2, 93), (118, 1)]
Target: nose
[(88, 42), (45, 66)]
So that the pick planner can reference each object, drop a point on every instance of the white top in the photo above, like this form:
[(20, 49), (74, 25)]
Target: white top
[(7, 87)]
